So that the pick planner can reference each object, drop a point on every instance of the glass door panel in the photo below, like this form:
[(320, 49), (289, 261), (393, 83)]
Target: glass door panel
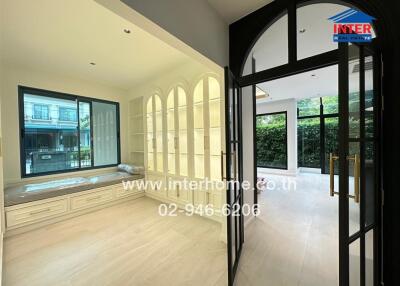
[(357, 174), (354, 263), (331, 142), (234, 173)]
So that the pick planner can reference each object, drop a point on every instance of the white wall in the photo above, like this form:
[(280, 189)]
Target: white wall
[(187, 74), (194, 22), (290, 106), (14, 76), (248, 142)]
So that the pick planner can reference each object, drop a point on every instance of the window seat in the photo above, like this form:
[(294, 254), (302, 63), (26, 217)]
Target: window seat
[(39, 191)]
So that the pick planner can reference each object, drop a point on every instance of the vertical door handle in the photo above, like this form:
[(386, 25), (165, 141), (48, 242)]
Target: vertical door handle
[(234, 165), (356, 159), (222, 166), (332, 159)]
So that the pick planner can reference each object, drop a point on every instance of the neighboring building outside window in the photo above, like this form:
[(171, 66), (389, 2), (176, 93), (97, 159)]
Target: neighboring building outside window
[(41, 111), (67, 114)]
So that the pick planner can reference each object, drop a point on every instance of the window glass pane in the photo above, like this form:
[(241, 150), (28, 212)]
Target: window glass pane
[(309, 106), (84, 126), (49, 144), (271, 140), (105, 143), (315, 30), (331, 141), (354, 263), (369, 258), (308, 134), (369, 98), (271, 49), (331, 104)]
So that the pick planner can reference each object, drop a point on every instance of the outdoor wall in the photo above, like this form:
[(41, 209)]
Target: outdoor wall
[(13, 76), (194, 22), (290, 106)]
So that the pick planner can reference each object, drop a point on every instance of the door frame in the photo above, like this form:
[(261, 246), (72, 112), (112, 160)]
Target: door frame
[(316, 62), (244, 33), (233, 137)]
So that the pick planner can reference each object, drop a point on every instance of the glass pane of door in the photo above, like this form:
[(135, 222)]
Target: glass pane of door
[(235, 231), (357, 174)]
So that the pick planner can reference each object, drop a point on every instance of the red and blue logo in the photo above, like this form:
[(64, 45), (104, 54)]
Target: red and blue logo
[(352, 26)]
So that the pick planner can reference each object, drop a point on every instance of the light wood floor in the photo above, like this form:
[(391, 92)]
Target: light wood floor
[(126, 244), (295, 239)]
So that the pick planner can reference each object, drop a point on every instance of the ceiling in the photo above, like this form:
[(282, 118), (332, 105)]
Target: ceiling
[(65, 36), (233, 10)]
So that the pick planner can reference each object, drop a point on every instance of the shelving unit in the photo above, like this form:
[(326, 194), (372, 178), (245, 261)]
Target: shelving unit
[(183, 139), (154, 134), (207, 129), (136, 131)]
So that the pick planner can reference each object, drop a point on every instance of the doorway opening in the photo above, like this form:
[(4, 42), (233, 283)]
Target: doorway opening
[(319, 163)]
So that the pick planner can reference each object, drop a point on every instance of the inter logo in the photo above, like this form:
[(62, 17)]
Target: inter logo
[(352, 26)]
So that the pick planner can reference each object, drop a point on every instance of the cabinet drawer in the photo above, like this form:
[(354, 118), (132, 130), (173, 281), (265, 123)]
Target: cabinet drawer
[(35, 213), (121, 192), (92, 199)]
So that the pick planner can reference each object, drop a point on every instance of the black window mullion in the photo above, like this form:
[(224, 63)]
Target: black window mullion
[(362, 166), (79, 133), (91, 134), (322, 137), (292, 32)]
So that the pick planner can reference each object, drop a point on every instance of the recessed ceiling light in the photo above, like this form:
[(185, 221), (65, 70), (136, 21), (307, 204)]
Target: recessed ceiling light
[(302, 31), (93, 64), (127, 31)]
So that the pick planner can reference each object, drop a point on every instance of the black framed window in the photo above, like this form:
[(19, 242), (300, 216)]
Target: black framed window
[(63, 132), (317, 126), (271, 140)]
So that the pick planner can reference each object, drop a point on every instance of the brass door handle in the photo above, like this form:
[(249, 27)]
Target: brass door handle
[(356, 159), (234, 166), (222, 166), (233, 154), (332, 159)]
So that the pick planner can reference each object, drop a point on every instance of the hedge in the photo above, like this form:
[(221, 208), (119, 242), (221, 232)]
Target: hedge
[(271, 141)]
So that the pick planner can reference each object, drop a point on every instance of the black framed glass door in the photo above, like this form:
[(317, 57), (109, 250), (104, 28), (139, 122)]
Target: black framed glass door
[(234, 172), (357, 161)]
